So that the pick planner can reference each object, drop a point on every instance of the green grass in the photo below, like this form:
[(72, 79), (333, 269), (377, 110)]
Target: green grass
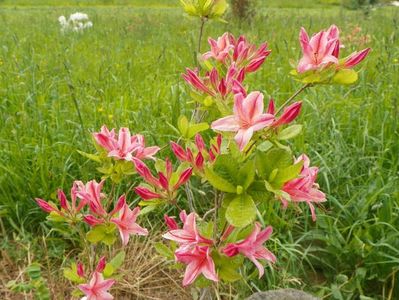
[(125, 71)]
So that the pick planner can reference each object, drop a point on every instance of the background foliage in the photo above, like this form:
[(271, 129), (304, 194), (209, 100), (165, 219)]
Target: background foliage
[(126, 72)]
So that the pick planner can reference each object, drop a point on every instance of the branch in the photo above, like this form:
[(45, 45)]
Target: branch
[(304, 87)]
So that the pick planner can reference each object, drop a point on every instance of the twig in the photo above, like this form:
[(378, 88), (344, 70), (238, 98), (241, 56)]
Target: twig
[(304, 87), (203, 20)]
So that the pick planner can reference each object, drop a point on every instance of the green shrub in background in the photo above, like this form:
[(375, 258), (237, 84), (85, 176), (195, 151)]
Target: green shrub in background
[(357, 4), (243, 9)]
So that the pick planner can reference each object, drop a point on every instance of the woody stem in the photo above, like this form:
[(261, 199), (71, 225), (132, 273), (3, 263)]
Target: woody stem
[(304, 87), (200, 35)]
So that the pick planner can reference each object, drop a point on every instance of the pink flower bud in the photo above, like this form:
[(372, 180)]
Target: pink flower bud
[(169, 168), (119, 205), (146, 194), (222, 88), (183, 216), (289, 114), (190, 156), (230, 250), (163, 181), (80, 270), (356, 58), (214, 78), (63, 200), (184, 177), (271, 109), (199, 161), (44, 205), (255, 64), (144, 172), (238, 88), (170, 222), (92, 221), (101, 264), (178, 151), (227, 232), (192, 78), (199, 142)]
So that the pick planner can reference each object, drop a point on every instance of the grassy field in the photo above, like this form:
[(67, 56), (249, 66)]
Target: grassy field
[(126, 71)]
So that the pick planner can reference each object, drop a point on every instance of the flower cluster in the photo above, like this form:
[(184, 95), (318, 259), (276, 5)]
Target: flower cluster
[(227, 64), (321, 62), (76, 22), (247, 166), (195, 250), (124, 146), (97, 287), (200, 156), (165, 186)]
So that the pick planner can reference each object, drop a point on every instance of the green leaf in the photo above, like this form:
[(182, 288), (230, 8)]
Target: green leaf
[(104, 233), (163, 250), (219, 182), (195, 128), (227, 266), (72, 274), (241, 211), (183, 125), (287, 174), (264, 146), (147, 209), (33, 271), (219, 8), (55, 217), (226, 166), (108, 270), (345, 76), (96, 234), (275, 158), (290, 132), (258, 191), (246, 175), (118, 260), (93, 157)]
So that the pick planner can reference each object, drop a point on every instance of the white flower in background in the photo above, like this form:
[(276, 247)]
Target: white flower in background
[(76, 22), (395, 3)]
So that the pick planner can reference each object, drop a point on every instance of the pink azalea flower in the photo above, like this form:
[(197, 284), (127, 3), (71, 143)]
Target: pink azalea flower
[(97, 288), (252, 247), (142, 152), (86, 194), (188, 235), (220, 48), (320, 50), (323, 49), (247, 55), (125, 146), (304, 188), (126, 222), (248, 117), (106, 138), (90, 193), (198, 262)]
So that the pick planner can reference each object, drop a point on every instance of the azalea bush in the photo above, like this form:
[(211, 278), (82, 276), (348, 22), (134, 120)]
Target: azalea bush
[(234, 150)]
